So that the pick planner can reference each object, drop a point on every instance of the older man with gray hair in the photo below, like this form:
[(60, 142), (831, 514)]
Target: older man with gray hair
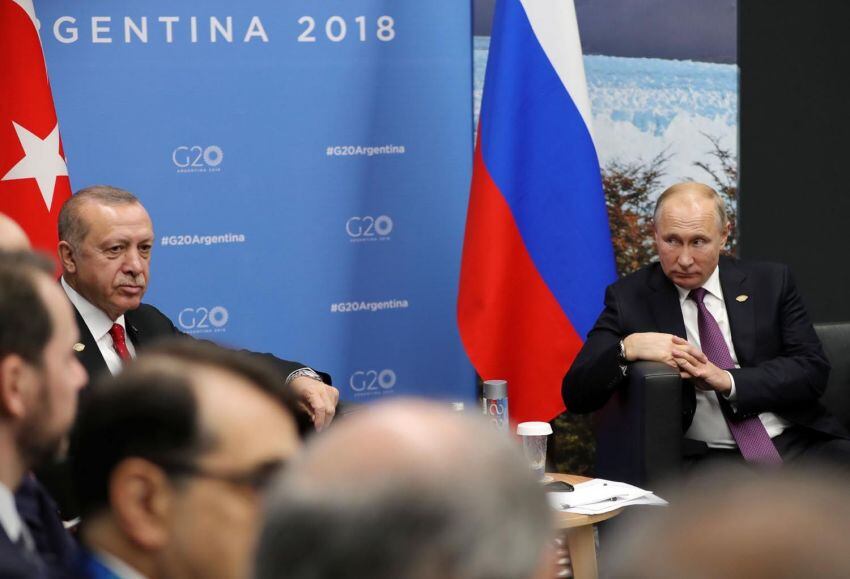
[(408, 490)]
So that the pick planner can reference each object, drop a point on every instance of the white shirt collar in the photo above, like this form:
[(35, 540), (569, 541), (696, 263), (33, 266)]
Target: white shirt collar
[(711, 285), (117, 566), (10, 519), (95, 318)]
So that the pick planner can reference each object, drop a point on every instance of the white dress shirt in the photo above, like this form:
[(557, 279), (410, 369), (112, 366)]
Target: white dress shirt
[(118, 567), (10, 520), (99, 325), (709, 425)]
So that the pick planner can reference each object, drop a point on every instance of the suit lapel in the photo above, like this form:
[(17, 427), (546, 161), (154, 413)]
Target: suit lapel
[(136, 334), (742, 318), (89, 356), (664, 303)]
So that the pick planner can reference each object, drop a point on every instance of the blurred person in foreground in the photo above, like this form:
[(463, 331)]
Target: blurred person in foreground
[(170, 460), (39, 381), (12, 237), (740, 524), (737, 331), (408, 490)]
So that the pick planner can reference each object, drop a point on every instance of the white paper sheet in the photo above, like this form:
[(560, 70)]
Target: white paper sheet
[(599, 496)]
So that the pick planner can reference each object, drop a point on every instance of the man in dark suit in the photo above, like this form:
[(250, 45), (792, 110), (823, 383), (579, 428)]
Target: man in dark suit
[(39, 382), (737, 331), (106, 238)]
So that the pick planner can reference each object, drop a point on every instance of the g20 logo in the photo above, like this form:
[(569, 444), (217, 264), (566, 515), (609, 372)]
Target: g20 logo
[(372, 380), (203, 319), (197, 158), (367, 226)]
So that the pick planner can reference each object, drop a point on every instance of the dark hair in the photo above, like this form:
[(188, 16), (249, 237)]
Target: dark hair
[(72, 228), (150, 411), (25, 324)]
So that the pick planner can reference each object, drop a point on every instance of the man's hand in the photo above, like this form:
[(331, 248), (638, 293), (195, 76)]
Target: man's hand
[(655, 347), (694, 364), (316, 399)]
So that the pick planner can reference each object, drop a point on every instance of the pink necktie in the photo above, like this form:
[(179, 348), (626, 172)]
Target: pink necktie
[(118, 341), (752, 438)]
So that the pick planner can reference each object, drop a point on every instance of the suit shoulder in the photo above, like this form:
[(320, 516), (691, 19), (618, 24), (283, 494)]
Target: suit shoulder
[(637, 280), (150, 321), (147, 310), (766, 269)]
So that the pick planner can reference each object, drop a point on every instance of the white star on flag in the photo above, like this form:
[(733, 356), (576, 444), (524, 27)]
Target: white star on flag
[(41, 161)]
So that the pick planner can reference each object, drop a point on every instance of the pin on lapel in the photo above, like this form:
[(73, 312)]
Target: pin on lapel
[(742, 298), (79, 347)]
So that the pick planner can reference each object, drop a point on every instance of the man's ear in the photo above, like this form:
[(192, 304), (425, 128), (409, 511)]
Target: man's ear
[(726, 231), (67, 257), (141, 499), (15, 372)]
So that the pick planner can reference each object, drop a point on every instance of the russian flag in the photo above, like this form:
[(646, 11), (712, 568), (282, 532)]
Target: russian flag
[(537, 252)]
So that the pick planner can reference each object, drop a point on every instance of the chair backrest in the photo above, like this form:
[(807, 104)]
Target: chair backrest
[(835, 337)]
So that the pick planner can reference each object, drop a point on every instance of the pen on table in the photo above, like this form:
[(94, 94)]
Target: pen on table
[(612, 499)]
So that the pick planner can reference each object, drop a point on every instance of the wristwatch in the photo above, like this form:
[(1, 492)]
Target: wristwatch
[(621, 358), (308, 372)]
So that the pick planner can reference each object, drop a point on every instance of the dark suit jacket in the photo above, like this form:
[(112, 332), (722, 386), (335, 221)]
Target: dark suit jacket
[(783, 366), (13, 563), (39, 511)]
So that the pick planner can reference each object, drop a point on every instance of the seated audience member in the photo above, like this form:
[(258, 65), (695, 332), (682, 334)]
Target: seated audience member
[(736, 330), (742, 525), (39, 381), (407, 490), (106, 241), (170, 458)]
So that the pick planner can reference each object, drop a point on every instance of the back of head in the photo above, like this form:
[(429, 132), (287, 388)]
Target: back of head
[(407, 490), (12, 236), (743, 525)]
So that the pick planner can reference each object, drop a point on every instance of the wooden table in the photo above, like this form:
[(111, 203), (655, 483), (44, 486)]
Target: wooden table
[(578, 530)]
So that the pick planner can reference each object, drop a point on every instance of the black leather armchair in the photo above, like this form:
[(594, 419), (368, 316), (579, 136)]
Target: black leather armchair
[(639, 431)]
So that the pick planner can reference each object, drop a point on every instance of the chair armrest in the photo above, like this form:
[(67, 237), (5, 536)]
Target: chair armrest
[(639, 431)]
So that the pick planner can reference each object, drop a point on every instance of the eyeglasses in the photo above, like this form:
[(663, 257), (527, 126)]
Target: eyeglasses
[(257, 478)]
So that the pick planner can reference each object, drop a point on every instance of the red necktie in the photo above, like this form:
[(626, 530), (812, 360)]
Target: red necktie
[(118, 341), (750, 434)]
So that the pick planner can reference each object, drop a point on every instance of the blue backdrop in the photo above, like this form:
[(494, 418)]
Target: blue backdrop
[(306, 165)]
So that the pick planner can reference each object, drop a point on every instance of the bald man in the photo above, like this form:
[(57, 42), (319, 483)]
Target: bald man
[(12, 237), (737, 331), (408, 490)]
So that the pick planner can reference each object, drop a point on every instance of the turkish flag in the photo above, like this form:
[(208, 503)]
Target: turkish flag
[(33, 175)]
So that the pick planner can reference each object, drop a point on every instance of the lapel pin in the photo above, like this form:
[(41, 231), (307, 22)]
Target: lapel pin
[(742, 298), (79, 347)]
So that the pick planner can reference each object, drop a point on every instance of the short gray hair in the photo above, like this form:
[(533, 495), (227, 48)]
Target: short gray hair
[(702, 190), (72, 227), (479, 514)]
